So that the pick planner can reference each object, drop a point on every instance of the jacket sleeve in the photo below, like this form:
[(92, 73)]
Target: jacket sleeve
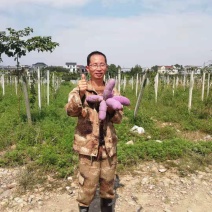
[(74, 105)]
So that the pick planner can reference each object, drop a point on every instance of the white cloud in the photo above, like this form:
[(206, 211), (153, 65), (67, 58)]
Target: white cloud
[(181, 6), (54, 3), (167, 6), (112, 2), (147, 40), (144, 40)]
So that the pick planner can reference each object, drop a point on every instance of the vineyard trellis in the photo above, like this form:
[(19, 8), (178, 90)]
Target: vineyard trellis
[(173, 81)]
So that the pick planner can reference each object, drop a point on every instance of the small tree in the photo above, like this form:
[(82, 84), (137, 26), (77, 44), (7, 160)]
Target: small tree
[(136, 70), (112, 70), (16, 45)]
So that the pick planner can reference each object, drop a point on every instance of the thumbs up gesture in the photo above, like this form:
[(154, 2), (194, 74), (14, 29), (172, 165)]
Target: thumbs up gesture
[(82, 84)]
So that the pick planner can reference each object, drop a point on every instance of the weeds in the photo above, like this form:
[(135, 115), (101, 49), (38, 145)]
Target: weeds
[(29, 176), (48, 142)]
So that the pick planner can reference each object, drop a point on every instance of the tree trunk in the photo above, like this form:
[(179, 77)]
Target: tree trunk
[(26, 99)]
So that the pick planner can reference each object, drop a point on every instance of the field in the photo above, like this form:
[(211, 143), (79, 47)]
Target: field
[(173, 135)]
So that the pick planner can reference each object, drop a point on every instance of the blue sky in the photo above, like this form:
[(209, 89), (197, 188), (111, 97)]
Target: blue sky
[(129, 32)]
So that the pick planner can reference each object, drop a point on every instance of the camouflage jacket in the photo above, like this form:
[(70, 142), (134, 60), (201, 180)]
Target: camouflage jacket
[(86, 138)]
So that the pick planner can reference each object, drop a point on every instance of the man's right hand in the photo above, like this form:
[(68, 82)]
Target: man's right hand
[(82, 84)]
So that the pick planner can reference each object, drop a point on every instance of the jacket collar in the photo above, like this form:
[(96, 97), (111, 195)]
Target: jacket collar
[(90, 88)]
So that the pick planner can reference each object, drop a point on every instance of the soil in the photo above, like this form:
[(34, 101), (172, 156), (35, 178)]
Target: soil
[(149, 187)]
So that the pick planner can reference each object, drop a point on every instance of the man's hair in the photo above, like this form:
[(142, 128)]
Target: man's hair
[(93, 53)]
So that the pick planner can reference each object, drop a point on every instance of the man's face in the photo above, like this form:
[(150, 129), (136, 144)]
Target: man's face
[(97, 67)]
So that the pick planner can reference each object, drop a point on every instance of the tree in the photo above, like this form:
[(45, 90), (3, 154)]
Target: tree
[(136, 70), (16, 45), (57, 69), (179, 68), (112, 70), (154, 68)]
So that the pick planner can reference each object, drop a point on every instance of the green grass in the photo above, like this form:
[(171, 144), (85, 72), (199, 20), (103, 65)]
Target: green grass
[(47, 144)]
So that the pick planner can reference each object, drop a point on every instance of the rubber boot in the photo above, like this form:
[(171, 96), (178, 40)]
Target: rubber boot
[(83, 209), (106, 205)]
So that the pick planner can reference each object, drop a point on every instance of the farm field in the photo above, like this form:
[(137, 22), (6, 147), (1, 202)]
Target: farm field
[(175, 138)]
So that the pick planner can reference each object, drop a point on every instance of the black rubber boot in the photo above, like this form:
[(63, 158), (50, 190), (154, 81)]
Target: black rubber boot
[(83, 209), (106, 205)]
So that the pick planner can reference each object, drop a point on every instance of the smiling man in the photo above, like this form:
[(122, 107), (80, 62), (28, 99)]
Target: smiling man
[(95, 141)]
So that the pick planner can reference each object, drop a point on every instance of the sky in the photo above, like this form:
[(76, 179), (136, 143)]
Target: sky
[(128, 32)]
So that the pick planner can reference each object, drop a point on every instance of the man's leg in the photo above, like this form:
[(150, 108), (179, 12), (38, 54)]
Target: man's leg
[(89, 171), (107, 177)]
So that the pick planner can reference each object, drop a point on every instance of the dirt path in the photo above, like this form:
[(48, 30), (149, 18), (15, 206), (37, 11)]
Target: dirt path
[(148, 188)]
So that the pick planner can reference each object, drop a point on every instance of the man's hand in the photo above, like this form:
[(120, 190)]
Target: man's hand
[(110, 110), (82, 84)]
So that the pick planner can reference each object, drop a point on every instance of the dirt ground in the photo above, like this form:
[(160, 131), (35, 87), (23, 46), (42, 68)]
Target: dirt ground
[(149, 187)]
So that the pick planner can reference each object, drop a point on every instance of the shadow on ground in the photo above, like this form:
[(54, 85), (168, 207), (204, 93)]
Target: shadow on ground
[(95, 205)]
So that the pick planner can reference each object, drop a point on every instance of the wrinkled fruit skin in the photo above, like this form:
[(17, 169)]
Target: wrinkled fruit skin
[(108, 91), (94, 98), (108, 100), (123, 100), (102, 110), (116, 105)]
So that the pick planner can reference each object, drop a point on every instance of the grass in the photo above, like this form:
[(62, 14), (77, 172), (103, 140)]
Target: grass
[(47, 144), (28, 177)]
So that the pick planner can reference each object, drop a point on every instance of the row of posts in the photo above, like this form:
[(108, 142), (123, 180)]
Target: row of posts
[(156, 82), (38, 85), (119, 82)]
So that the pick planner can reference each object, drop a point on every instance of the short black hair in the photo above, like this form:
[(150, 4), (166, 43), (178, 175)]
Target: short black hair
[(93, 53)]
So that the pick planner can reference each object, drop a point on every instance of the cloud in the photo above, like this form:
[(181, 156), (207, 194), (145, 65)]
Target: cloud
[(143, 40), (111, 2), (147, 39), (53, 3), (164, 6)]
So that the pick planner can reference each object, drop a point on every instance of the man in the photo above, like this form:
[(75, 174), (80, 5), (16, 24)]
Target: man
[(94, 140)]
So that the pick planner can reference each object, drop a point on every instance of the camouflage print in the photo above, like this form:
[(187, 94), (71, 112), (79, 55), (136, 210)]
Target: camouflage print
[(93, 172), (86, 137), (94, 168)]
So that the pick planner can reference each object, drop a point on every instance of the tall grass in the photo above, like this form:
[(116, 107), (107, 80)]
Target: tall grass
[(48, 142)]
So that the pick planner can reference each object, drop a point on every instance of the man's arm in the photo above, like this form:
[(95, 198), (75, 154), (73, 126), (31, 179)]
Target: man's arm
[(76, 96), (74, 105)]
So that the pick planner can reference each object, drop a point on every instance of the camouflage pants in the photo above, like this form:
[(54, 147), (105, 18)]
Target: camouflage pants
[(93, 172)]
